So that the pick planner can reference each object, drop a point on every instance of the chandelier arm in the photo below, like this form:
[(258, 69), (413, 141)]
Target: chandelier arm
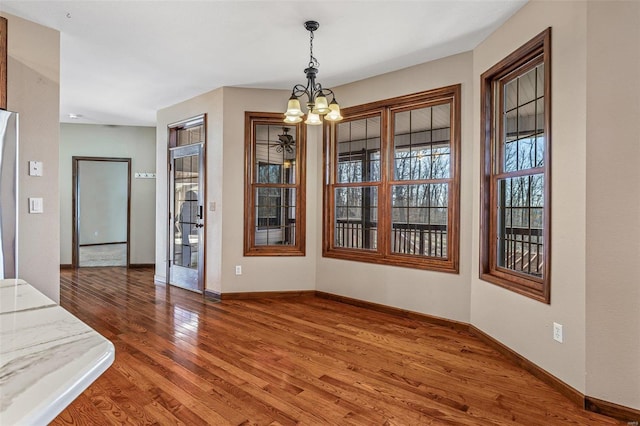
[(299, 90), (318, 90), (326, 92)]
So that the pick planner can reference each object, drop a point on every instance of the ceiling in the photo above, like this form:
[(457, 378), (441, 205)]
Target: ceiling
[(121, 61)]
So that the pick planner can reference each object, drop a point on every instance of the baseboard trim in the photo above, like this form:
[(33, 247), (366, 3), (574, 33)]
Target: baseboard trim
[(588, 403), (620, 412), (141, 265), (265, 294), (131, 265), (573, 394), (210, 294), (456, 325)]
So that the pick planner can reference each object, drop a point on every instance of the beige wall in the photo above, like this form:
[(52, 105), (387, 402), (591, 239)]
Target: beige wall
[(272, 272), (436, 293), (613, 202), (225, 188), (521, 323), (211, 104), (34, 92), (594, 291), (137, 143)]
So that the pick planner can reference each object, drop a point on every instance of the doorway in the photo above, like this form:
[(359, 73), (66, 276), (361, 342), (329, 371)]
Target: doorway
[(101, 211), (185, 251)]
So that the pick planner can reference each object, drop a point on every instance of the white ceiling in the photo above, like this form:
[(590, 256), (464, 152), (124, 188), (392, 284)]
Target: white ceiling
[(123, 60)]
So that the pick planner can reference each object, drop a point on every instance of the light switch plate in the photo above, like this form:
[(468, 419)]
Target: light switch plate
[(35, 168), (36, 205)]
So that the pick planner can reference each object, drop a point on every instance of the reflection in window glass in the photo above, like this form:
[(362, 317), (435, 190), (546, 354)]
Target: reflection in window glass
[(358, 145), (422, 143), (275, 216), (271, 222)]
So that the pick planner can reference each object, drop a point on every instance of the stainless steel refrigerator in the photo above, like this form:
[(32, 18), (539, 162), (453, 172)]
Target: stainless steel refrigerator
[(8, 194)]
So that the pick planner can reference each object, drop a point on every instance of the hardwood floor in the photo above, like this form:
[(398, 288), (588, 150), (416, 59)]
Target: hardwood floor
[(302, 360)]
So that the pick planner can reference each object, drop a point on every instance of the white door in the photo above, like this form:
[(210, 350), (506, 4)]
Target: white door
[(186, 217)]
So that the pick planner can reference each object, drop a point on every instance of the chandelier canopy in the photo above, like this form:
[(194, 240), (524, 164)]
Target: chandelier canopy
[(317, 104)]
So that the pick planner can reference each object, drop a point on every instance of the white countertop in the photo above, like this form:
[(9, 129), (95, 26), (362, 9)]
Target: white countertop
[(47, 356)]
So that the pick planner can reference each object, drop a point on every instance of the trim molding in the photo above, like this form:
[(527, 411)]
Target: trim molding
[(264, 294), (456, 325), (212, 295), (4, 26), (620, 412), (131, 266), (574, 395)]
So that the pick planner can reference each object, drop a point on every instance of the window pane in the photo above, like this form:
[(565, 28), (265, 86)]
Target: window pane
[(521, 223), (356, 216), (275, 216), (523, 121), (421, 143), (190, 135), (419, 219), (275, 150), (358, 145)]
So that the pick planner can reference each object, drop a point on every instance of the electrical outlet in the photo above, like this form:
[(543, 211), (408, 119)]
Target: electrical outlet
[(238, 270), (557, 332)]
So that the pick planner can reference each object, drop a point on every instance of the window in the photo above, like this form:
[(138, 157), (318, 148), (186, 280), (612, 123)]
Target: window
[(392, 182), (516, 135), (274, 186)]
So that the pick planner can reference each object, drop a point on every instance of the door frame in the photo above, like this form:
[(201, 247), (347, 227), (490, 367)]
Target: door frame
[(172, 145), (75, 241)]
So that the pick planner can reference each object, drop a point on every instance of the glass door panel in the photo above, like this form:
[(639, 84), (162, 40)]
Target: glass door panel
[(187, 217)]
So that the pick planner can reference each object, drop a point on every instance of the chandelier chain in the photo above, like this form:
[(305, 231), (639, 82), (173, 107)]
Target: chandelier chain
[(313, 62)]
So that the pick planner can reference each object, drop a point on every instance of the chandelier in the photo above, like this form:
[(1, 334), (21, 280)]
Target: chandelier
[(317, 104)]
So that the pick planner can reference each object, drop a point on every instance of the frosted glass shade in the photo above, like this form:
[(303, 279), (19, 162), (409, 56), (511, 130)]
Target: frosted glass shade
[(313, 119), (293, 108), (321, 106), (334, 112), (292, 119)]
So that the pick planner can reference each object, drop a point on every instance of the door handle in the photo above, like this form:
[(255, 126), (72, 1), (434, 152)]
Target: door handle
[(200, 214)]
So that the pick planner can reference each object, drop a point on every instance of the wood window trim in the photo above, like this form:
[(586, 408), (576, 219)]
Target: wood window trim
[(383, 255), (519, 61), (253, 119)]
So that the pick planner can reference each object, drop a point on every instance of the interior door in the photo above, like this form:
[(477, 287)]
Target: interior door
[(186, 217), (101, 203)]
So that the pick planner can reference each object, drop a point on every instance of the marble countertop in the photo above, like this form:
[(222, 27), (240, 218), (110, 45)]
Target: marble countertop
[(47, 356)]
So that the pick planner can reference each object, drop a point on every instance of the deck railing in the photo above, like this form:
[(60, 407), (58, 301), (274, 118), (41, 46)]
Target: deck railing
[(522, 250), (419, 239)]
